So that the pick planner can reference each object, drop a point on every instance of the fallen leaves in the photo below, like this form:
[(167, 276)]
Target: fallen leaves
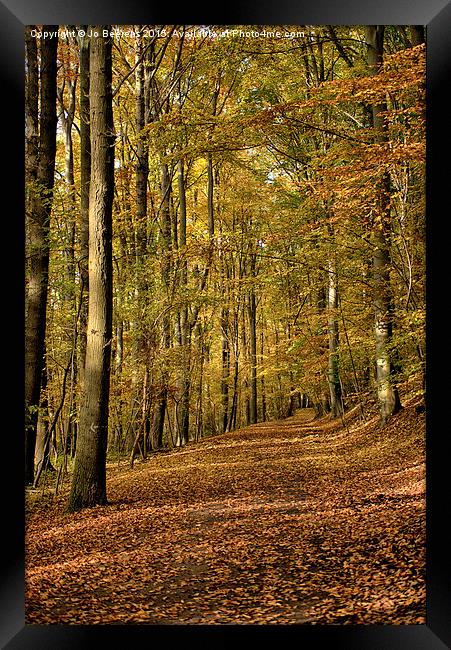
[(297, 521)]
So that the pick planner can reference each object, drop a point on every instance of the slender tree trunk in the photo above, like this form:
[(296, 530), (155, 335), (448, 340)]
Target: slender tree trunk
[(341, 50), (33, 232), (388, 396), (140, 233), (183, 379), (89, 479), (245, 383), (166, 238), (85, 173), (211, 223), (38, 224), (262, 379), (322, 398), (67, 117), (231, 422), (252, 313), (42, 453), (200, 421), (333, 369), (225, 363), (225, 338)]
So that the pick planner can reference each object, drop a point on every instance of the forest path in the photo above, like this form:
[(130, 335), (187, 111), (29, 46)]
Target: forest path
[(292, 521)]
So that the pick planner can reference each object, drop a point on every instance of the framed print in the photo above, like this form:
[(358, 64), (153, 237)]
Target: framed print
[(240, 371)]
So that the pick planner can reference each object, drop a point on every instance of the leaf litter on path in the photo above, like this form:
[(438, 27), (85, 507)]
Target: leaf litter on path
[(288, 522)]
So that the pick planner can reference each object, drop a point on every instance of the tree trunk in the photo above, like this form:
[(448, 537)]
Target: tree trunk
[(85, 172), (252, 313), (166, 238), (67, 118), (89, 479), (211, 223), (225, 364), (321, 397), (41, 180), (140, 233), (245, 399), (333, 370), (262, 379), (32, 232), (42, 452), (386, 389), (417, 34), (183, 379)]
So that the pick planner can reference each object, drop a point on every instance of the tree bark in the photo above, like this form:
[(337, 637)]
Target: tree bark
[(85, 173), (42, 452), (262, 379), (417, 34), (41, 181), (89, 479), (387, 392), (245, 414), (140, 369), (67, 118), (166, 239), (333, 369), (183, 379), (252, 313), (225, 362)]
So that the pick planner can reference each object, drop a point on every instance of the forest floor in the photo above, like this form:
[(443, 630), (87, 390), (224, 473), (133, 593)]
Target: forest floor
[(296, 521)]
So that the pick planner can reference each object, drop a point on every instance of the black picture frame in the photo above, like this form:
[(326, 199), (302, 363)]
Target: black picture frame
[(436, 15)]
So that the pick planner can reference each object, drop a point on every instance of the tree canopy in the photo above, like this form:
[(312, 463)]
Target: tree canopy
[(268, 227)]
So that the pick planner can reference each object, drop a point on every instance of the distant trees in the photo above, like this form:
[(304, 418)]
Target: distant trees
[(253, 247)]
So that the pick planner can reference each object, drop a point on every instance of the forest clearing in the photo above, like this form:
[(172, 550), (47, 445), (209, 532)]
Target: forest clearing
[(296, 521)]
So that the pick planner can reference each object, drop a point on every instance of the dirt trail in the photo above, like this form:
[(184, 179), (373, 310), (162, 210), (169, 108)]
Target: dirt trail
[(297, 521)]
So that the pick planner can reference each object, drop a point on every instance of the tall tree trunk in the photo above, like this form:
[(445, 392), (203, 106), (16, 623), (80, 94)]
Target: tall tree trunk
[(31, 111), (140, 369), (32, 232), (252, 313), (41, 181), (225, 337), (225, 362), (85, 173), (89, 479), (245, 399), (333, 369), (211, 223), (183, 378), (387, 392), (166, 238), (67, 118), (322, 397), (234, 336)]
